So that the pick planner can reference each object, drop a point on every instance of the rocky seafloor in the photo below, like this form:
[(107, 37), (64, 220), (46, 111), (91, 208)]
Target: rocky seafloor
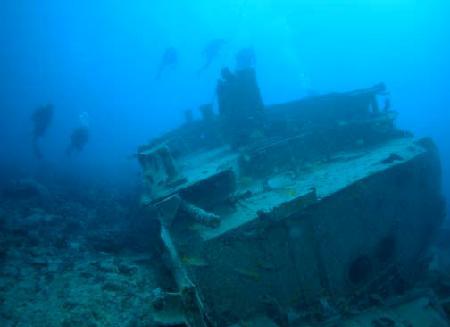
[(66, 261), (92, 260)]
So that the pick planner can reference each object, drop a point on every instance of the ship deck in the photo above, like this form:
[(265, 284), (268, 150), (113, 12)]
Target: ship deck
[(326, 178)]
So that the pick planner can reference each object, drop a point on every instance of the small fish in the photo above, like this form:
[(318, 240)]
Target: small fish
[(266, 265), (288, 191), (248, 273), (195, 227), (245, 181), (194, 261), (291, 192), (255, 135)]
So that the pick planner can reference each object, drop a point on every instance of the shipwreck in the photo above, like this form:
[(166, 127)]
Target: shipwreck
[(288, 214)]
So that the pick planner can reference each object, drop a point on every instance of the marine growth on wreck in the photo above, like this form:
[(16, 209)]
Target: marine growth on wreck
[(290, 214)]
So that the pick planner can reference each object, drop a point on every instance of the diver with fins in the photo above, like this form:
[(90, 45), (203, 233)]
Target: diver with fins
[(41, 119), (168, 60), (80, 135)]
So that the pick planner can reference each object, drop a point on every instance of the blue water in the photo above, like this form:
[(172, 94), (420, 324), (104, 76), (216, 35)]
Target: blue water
[(76, 248), (101, 58)]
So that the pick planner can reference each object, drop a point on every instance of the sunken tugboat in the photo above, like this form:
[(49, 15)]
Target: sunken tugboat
[(289, 214)]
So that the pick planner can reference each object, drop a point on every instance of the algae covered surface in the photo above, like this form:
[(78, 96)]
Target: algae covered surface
[(62, 266)]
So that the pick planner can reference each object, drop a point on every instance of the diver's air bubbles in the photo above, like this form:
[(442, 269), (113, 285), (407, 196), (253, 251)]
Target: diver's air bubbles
[(84, 119)]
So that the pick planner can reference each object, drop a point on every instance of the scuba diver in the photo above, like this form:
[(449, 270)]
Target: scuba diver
[(41, 118), (211, 52), (169, 59), (80, 135)]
